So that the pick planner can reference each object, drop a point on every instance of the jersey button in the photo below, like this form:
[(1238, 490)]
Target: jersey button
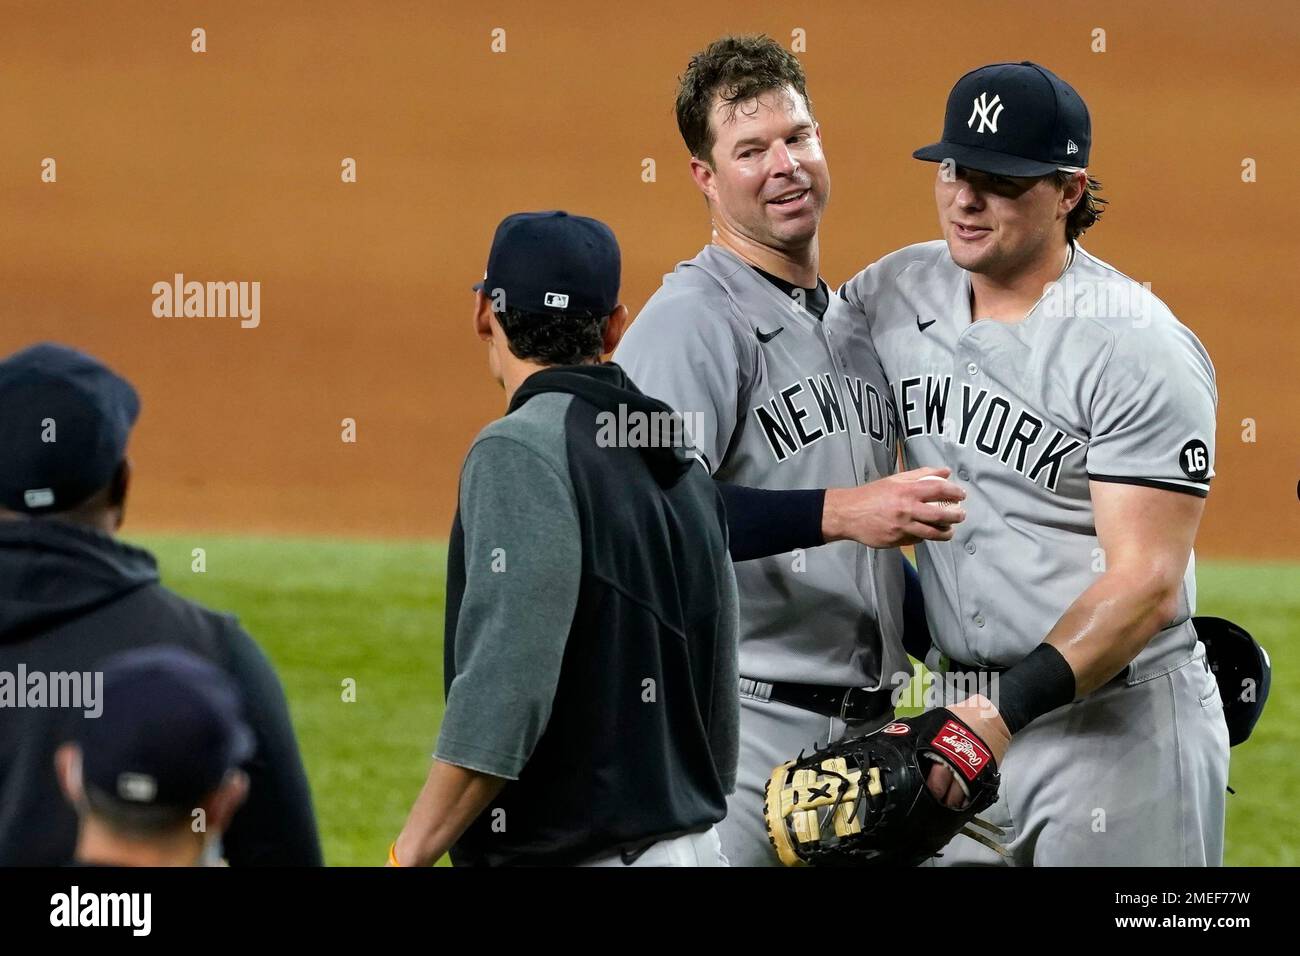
[(979, 620), (972, 368), (963, 474), (970, 547)]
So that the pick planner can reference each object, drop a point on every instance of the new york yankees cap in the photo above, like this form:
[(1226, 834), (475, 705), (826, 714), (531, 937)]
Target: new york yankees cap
[(1013, 119), (552, 263), (65, 418)]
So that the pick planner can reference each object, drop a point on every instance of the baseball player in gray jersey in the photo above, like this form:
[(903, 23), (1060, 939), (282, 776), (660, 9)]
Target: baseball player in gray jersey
[(1078, 413), (783, 390)]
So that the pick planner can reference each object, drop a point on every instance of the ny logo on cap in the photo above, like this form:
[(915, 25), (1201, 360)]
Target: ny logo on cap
[(556, 300), (982, 106)]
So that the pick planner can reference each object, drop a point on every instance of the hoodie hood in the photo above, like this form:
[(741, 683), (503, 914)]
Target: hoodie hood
[(607, 387), (52, 571)]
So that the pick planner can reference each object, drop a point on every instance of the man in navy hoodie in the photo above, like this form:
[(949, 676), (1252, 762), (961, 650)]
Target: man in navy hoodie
[(72, 595)]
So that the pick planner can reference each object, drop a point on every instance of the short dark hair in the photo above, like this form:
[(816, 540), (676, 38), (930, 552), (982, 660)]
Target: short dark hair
[(738, 68), (553, 339), (1086, 211)]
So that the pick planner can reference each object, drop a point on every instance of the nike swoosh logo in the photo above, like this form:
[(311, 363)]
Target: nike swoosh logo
[(766, 337), (924, 325)]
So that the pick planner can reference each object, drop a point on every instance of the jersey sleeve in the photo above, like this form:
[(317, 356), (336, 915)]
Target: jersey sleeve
[(523, 563), (684, 349), (1153, 411)]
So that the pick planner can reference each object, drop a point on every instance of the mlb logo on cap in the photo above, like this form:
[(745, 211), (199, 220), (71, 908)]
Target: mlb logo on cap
[(534, 253), (38, 497), (137, 787)]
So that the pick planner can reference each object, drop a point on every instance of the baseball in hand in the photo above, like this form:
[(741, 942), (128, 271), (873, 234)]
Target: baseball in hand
[(945, 503)]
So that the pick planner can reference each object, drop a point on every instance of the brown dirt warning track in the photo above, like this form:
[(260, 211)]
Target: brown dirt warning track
[(225, 166)]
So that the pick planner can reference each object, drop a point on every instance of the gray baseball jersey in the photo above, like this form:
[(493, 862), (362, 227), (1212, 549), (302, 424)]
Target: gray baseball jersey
[(1099, 382), (777, 399)]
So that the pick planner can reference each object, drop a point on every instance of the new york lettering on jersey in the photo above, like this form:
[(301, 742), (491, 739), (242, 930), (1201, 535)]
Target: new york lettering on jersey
[(993, 424), (789, 427)]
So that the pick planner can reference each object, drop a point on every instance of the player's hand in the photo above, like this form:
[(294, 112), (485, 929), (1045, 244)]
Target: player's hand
[(978, 713), (895, 511)]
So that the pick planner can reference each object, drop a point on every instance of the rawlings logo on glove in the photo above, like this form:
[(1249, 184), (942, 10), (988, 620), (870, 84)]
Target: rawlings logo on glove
[(968, 751)]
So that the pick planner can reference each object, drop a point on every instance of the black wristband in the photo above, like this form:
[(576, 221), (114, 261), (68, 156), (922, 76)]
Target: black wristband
[(1043, 681), (761, 522)]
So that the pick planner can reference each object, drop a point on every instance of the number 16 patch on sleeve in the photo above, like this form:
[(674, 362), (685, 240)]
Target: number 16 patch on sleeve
[(1194, 459)]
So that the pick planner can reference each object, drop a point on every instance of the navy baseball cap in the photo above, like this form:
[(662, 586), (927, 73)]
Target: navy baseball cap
[(170, 729), (64, 422), (552, 263), (1013, 119)]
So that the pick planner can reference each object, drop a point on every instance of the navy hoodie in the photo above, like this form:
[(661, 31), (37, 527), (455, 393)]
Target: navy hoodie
[(70, 597)]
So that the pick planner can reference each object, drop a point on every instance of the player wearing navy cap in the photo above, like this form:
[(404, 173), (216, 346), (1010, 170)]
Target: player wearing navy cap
[(590, 643), (1079, 414), (155, 778)]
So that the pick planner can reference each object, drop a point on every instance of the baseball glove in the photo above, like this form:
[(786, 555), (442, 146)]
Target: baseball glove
[(864, 801)]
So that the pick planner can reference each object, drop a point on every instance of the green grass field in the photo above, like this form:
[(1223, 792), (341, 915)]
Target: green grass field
[(326, 611)]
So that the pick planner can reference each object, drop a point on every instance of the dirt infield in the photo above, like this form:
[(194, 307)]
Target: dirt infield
[(225, 166)]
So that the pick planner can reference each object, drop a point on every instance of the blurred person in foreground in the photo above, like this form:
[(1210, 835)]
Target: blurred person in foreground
[(155, 780), (72, 594)]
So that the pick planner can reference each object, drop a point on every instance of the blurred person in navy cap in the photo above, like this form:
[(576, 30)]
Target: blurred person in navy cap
[(156, 778), (72, 595)]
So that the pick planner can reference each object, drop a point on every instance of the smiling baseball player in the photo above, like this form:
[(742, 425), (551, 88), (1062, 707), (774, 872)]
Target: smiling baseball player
[(747, 340), (1079, 415)]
